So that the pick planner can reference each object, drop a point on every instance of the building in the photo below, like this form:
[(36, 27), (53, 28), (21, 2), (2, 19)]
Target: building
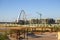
[(43, 21), (58, 21)]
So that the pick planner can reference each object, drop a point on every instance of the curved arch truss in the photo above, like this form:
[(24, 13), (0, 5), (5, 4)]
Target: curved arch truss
[(22, 17)]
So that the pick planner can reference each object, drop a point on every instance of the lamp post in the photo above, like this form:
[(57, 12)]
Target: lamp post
[(40, 16)]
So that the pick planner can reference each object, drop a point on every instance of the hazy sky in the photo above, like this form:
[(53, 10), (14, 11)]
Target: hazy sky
[(10, 9)]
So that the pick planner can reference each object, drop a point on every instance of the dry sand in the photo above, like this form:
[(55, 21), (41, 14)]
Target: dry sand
[(43, 36)]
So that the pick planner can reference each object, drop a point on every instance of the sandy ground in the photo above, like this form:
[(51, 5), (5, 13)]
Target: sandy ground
[(43, 36), (40, 36)]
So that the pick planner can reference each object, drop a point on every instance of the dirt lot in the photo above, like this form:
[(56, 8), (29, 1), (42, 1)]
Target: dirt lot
[(43, 36)]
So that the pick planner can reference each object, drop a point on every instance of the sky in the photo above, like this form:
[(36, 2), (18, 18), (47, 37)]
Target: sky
[(10, 9)]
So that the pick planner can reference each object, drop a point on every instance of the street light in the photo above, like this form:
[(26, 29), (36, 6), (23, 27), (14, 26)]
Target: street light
[(40, 16)]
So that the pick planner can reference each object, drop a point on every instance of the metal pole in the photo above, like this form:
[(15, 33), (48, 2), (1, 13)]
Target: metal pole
[(27, 33), (24, 33), (40, 17)]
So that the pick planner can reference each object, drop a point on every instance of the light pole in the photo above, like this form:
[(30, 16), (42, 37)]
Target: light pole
[(40, 16)]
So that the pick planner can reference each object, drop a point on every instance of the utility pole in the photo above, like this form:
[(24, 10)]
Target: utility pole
[(40, 17)]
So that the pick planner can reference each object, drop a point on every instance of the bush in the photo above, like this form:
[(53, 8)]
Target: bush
[(3, 37)]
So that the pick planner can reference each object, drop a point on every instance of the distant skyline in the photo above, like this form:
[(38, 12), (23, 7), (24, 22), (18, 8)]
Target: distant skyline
[(10, 9)]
